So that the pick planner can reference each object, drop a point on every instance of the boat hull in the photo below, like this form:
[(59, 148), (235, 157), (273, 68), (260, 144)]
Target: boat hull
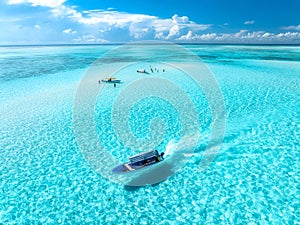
[(120, 169), (124, 168), (111, 81)]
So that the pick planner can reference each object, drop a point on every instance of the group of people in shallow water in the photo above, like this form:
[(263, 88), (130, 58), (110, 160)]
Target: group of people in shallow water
[(138, 71), (151, 69), (156, 70)]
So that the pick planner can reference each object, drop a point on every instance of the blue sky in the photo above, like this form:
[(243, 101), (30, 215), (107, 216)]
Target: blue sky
[(110, 21)]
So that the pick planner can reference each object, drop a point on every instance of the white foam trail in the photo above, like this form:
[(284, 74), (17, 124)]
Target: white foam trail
[(184, 146), (171, 146)]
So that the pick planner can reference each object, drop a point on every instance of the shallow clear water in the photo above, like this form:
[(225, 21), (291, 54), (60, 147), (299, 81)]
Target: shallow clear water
[(254, 179)]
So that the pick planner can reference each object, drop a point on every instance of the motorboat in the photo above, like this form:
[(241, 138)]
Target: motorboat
[(140, 161), (142, 71), (111, 80)]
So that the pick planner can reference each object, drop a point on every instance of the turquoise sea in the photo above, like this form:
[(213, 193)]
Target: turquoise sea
[(254, 179)]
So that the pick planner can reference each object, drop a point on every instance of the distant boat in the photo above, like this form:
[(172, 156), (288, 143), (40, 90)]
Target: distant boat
[(111, 80), (140, 161), (142, 71)]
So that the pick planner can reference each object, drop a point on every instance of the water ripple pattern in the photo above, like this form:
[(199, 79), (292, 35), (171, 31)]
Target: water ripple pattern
[(85, 127), (254, 179)]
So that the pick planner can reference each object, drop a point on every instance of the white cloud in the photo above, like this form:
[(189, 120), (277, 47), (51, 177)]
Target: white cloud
[(92, 17), (197, 37), (243, 36), (159, 35), (174, 27), (187, 37), (47, 3), (10, 19), (102, 26), (63, 11), (177, 19), (89, 39), (207, 37), (138, 25), (14, 2), (69, 31), (292, 27), (240, 33), (249, 22), (174, 31), (266, 35), (137, 31)]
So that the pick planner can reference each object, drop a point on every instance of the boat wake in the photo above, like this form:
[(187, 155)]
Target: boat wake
[(184, 148), (170, 148)]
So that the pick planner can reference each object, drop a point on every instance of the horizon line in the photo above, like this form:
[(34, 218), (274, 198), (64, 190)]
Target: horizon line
[(124, 43)]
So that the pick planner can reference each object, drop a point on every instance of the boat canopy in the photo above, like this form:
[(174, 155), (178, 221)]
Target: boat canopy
[(143, 156)]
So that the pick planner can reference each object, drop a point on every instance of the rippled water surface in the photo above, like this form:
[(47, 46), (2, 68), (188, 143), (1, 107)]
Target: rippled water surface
[(254, 179)]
